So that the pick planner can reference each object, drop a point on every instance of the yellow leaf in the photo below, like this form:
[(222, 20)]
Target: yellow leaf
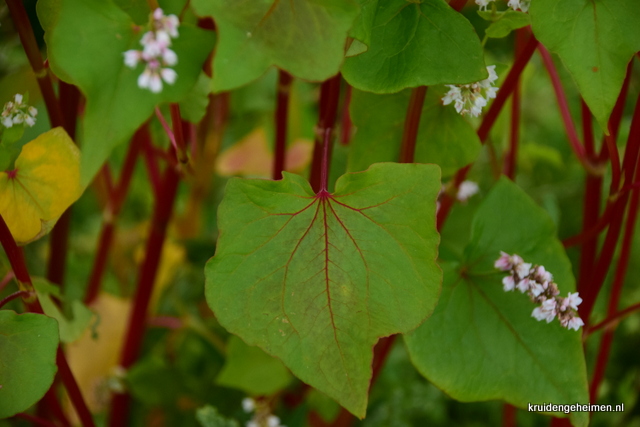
[(44, 183)]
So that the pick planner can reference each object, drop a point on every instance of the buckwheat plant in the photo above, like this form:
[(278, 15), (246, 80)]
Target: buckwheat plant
[(156, 53), (469, 99), (262, 416), (537, 282), (18, 112), (522, 5)]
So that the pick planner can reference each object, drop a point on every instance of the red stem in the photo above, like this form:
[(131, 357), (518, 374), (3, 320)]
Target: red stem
[(616, 291), (587, 131), (509, 415), (611, 320), (6, 280), (152, 167), (112, 211), (412, 124), (574, 141), (282, 120), (346, 123), (511, 157), (13, 296), (75, 395), (488, 121), (36, 420), (23, 26), (148, 271), (181, 148), (329, 98), (613, 233)]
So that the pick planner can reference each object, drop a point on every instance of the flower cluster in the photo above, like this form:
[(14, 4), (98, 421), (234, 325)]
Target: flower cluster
[(538, 283), (16, 112), (522, 5), (262, 416), (156, 53), (469, 99)]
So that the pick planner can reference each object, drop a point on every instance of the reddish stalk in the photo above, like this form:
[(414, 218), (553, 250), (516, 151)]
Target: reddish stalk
[(6, 280), (612, 319), (488, 121), (616, 291), (148, 271), (329, 98), (36, 421), (16, 258), (616, 115), (282, 121), (574, 141), (608, 249), (511, 157), (412, 124), (15, 295), (112, 211), (152, 168), (345, 121), (182, 150), (509, 415), (23, 26)]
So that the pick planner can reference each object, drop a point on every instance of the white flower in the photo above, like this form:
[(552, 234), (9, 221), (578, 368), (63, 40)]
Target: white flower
[(509, 283), (523, 285), (523, 5), (248, 404), (573, 300), (536, 289), (523, 270), (547, 311), (273, 421), (156, 53), (574, 323), (16, 112), (471, 98), (503, 263), (483, 4), (542, 275), (466, 190)]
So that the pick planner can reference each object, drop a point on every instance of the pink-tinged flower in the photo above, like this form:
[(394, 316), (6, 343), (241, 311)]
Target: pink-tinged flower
[(165, 24), (574, 323), (573, 300), (542, 275), (523, 285), (536, 288), (547, 311), (508, 283), (132, 57), (523, 270), (503, 263)]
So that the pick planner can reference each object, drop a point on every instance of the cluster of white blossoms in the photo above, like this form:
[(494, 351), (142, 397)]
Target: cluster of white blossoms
[(156, 53), (522, 5), (16, 112), (469, 99), (465, 191), (262, 416), (538, 284)]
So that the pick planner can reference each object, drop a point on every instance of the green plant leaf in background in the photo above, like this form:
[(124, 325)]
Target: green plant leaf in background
[(482, 343), (415, 43), (28, 344), (86, 40), (502, 23), (208, 416), (595, 40), (251, 370), (71, 328), (444, 137), (315, 280), (305, 37), (361, 30)]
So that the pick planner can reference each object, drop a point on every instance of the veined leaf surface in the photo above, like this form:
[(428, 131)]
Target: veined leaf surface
[(316, 279)]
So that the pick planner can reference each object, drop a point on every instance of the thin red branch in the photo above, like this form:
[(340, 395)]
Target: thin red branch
[(282, 122), (412, 124), (345, 121), (569, 126), (35, 420), (181, 147), (612, 319), (15, 295)]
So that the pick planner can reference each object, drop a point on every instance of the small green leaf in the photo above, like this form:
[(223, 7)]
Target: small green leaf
[(86, 41), (315, 280), (194, 105), (305, 37), (361, 30), (208, 416), (414, 44), (482, 343), (595, 40), (507, 22), (71, 329), (28, 344), (444, 137), (251, 370)]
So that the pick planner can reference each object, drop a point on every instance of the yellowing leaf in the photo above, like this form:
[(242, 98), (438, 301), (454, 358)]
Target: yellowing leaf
[(252, 157), (44, 183)]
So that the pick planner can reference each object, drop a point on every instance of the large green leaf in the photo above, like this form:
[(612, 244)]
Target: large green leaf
[(415, 43), (252, 370), (86, 40), (316, 279), (305, 37), (595, 39), (444, 137), (28, 344), (481, 343)]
